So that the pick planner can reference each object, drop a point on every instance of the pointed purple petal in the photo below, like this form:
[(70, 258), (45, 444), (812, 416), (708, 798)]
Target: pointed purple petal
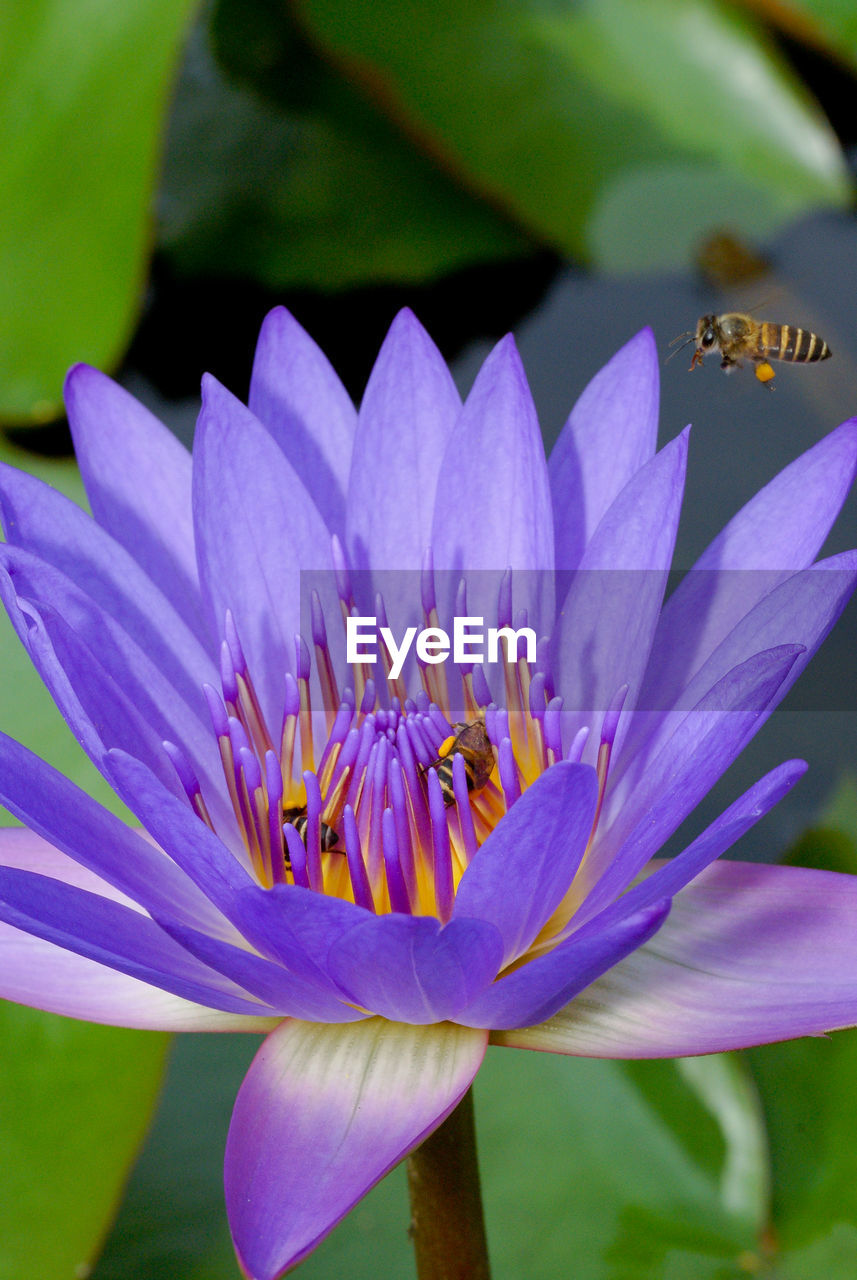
[(120, 683), (539, 988), (256, 527), (103, 930), (407, 415), (779, 531), (610, 434), (734, 823), (284, 992), (526, 865), (493, 508), (57, 810), (296, 395), (96, 708), (43, 521), (294, 927), (705, 743), (137, 478), (38, 973), (800, 610), (749, 954), (413, 969), (323, 1114), (614, 600)]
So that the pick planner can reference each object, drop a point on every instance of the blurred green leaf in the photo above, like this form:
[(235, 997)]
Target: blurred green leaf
[(616, 131), (833, 1256), (619, 1171), (840, 812), (75, 1101), (832, 845), (83, 87), (830, 23), (278, 169), (807, 1090), (810, 1103), (173, 1221)]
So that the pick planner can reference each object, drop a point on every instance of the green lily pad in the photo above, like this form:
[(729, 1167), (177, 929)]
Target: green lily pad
[(807, 1090), (829, 23), (277, 169), (83, 88), (568, 116), (75, 1102)]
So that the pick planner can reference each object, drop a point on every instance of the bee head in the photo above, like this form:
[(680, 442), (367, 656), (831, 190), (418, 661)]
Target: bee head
[(706, 332)]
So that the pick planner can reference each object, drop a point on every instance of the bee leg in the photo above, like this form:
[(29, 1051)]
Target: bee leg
[(728, 365), (765, 373)]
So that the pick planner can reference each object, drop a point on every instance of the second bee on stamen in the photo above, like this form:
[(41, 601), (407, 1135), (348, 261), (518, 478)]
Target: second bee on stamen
[(299, 820), (472, 743)]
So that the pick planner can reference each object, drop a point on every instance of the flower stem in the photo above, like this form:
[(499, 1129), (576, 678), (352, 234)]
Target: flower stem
[(447, 1225)]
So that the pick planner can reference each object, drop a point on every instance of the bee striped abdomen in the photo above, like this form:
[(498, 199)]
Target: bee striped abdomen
[(786, 342), (328, 838)]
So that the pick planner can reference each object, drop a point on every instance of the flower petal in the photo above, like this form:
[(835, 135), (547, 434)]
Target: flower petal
[(115, 677), (749, 954), (322, 1115), (719, 836), (611, 432), (98, 711), (413, 969), (699, 751), (293, 926), (537, 989), (56, 530), (68, 818), (103, 930), (257, 527), (614, 600), (779, 531), (800, 610), (408, 412), (38, 973), (296, 395), (536, 848), (493, 510), (281, 990), (137, 478)]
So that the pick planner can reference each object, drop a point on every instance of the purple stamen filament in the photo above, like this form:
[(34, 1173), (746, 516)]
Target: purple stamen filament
[(390, 809)]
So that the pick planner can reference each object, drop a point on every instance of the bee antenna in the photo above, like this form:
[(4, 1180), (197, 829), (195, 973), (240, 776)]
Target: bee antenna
[(688, 339)]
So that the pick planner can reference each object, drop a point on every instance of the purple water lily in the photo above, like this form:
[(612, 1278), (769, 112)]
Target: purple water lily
[(384, 871)]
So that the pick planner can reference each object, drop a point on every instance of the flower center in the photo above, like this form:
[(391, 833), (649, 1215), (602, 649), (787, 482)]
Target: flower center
[(388, 806)]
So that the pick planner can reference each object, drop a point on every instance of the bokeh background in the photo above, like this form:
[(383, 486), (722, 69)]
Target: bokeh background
[(567, 169)]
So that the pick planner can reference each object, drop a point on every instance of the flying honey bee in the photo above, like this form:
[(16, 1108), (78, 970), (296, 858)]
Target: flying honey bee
[(739, 337), (472, 743), (298, 819)]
